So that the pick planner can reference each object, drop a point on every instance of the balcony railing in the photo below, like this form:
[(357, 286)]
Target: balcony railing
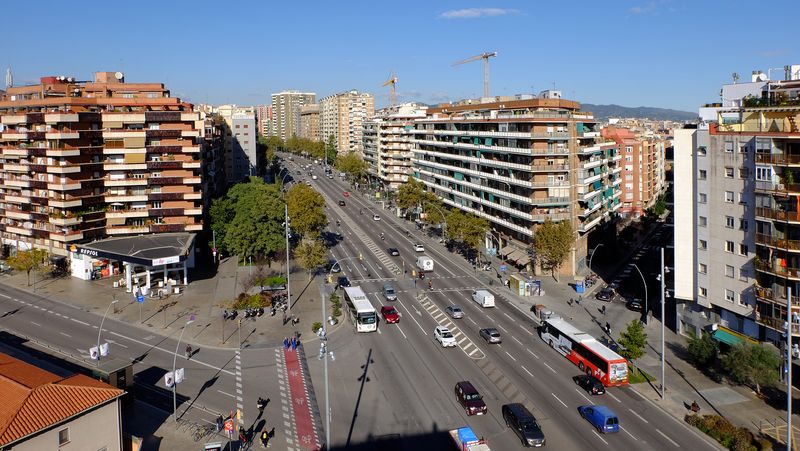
[(778, 324), (769, 294), (791, 216), (768, 240), (777, 158), (777, 269)]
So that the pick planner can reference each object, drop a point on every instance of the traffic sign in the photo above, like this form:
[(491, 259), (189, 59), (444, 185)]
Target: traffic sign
[(502, 267), (229, 425), (94, 353), (169, 381), (140, 298)]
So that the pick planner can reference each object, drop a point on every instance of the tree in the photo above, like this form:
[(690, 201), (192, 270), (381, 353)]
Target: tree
[(752, 364), (306, 210), (552, 242), (330, 149), (466, 228), (633, 341), (658, 208), (310, 254), (352, 165), (703, 349), (409, 194), (30, 260)]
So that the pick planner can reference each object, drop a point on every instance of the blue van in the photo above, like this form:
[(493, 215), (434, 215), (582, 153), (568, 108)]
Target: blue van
[(601, 417)]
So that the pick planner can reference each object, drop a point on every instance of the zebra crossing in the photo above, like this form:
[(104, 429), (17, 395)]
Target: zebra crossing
[(470, 349)]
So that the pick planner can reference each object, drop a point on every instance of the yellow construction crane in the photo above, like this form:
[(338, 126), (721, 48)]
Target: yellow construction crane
[(485, 57), (393, 89)]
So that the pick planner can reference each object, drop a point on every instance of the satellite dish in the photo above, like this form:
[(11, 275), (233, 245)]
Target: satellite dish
[(762, 77), (119, 75)]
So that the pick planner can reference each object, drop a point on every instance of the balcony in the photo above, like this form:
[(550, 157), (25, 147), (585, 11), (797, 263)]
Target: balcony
[(778, 159), (164, 149), (778, 324), (127, 230), (162, 133), (109, 198), (62, 135), (593, 163), (165, 181), (790, 273), (63, 168), (167, 196), (65, 221), (18, 214), (15, 136), (131, 213), (163, 228), (13, 119), (768, 240), (54, 118), (769, 213), (19, 230), (109, 182), (119, 134), (10, 167), (192, 181), (17, 199), (167, 164), (19, 183), (768, 295), (64, 186), (590, 222), (65, 152), (122, 166), (157, 212), (67, 236)]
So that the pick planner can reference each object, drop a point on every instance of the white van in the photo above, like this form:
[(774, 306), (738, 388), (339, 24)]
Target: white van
[(483, 298), (424, 263)]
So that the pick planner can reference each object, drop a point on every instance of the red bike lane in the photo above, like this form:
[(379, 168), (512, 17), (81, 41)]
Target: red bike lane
[(307, 437)]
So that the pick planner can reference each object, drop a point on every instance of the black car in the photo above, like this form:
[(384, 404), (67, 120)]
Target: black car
[(344, 282), (524, 424), (635, 305), (393, 251), (590, 383), (341, 203), (606, 294)]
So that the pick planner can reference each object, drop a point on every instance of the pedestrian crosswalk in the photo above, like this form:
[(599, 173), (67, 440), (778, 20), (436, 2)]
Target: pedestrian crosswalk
[(466, 345)]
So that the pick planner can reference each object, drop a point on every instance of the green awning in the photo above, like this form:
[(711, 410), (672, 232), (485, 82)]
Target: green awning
[(730, 337)]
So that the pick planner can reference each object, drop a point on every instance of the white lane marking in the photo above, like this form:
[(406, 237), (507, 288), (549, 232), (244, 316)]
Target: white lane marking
[(626, 431), (412, 317), (665, 436), (66, 335), (615, 398), (172, 352), (533, 354), (401, 331), (562, 402), (379, 331), (226, 394), (526, 370), (79, 321), (5, 296), (502, 328), (580, 392), (515, 339), (116, 343), (511, 356), (551, 368), (473, 322), (639, 416), (598, 436), (36, 324), (509, 317)]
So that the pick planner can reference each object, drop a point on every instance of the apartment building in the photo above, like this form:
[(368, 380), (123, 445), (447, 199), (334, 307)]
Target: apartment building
[(643, 169), (388, 142), (85, 160), (242, 161), (309, 122), (286, 107), (737, 225), (518, 161), (264, 118), (343, 116)]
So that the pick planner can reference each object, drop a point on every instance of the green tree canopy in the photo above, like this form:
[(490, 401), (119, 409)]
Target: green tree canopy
[(310, 254), (409, 194), (466, 228), (703, 349), (752, 364), (552, 242), (330, 149), (352, 165), (306, 210), (633, 341), (30, 260)]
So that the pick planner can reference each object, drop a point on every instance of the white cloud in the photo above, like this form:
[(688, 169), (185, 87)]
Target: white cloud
[(473, 13)]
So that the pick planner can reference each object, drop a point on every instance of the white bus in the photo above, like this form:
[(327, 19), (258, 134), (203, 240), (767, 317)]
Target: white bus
[(362, 313)]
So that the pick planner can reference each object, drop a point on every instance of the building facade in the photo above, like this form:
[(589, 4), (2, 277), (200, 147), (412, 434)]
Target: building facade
[(343, 116), (264, 119), (309, 122), (388, 140), (242, 161), (286, 107), (87, 160), (518, 162)]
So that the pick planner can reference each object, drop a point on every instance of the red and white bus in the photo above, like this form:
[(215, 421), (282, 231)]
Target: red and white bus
[(583, 350)]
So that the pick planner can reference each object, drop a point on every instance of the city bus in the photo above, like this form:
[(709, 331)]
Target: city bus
[(580, 348), (361, 312)]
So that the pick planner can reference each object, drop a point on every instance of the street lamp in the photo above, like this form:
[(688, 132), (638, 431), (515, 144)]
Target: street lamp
[(175, 379), (645, 292), (662, 279), (286, 232), (592, 256), (101, 329)]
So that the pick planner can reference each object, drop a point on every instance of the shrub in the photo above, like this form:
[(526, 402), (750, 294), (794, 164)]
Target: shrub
[(254, 301), (316, 327), (337, 312), (731, 437)]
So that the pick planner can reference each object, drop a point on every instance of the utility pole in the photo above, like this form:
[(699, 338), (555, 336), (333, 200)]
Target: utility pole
[(288, 269), (789, 371), (663, 383)]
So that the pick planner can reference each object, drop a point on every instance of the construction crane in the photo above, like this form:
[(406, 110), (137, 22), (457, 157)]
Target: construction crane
[(393, 90), (485, 57)]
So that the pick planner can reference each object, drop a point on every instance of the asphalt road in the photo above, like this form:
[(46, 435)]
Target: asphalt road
[(410, 390)]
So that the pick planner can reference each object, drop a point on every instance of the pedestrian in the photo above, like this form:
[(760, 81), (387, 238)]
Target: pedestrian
[(294, 344), (284, 317), (188, 352), (242, 435), (570, 302), (219, 423), (430, 284), (608, 328), (604, 310), (264, 438), (285, 342)]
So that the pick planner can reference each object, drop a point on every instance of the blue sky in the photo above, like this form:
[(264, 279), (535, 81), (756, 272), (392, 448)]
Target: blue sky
[(661, 53)]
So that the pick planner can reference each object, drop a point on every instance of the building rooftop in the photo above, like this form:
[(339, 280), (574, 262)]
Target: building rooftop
[(151, 250), (34, 399)]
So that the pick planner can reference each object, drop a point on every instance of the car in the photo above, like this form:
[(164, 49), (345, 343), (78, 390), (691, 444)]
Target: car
[(376, 217), (390, 314), (342, 203), (590, 383), (606, 294), (330, 176), (454, 311), (524, 424), (491, 335), (601, 417), (308, 182), (343, 282), (388, 292), (393, 251), (419, 248), (334, 266), (469, 398), (635, 304), (346, 194), (314, 177), (444, 337)]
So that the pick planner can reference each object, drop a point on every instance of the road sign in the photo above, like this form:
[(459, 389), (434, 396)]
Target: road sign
[(140, 298), (103, 349), (179, 375), (229, 425), (502, 267), (94, 353), (169, 381)]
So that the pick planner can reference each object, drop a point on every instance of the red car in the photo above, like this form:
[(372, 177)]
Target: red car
[(346, 194), (390, 314)]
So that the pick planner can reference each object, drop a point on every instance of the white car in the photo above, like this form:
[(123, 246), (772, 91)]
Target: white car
[(419, 248), (376, 217), (313, 177), (444, 337)]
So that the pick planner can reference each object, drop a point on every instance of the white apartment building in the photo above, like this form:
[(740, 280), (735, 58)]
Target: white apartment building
[(343, 116), (286, 107), (388, 141)]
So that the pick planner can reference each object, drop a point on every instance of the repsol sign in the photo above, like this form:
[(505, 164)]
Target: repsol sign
[(89, 252)]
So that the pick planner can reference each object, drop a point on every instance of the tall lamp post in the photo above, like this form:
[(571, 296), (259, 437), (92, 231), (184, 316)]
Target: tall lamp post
[(645, 292), (592, 256), (101, 329), (175, 379), (662, 279), (286, 232)]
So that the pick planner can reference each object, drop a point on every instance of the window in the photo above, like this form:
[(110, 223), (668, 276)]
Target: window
[(702, 268), (703, 245), (744, 173), (763, 173), (729, 246), (156, 204), (743, 249), (703, 292), (63, 436), (246, 126), (728, 173), (729, 197), (628, 149), (702, 221), (742, 199), (729, 222), (728, 146), (237, 125), (743, 149), (701, 151), (702, 198), (743, 224), (743, 273), (729, 296), (729, 271), (701, 174)]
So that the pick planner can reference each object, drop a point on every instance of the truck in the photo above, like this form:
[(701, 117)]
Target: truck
[(483, 298), (425, 263), (466, 440)]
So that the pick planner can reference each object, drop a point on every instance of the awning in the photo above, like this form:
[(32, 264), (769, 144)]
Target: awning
[(507, 250), (730, 337), (521, 257)]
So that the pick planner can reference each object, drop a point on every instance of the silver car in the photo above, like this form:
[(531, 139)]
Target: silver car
[(454, 312), (491, 335)]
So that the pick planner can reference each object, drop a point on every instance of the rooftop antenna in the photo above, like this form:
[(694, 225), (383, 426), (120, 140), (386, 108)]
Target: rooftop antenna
[(9, 78), (735, 77)]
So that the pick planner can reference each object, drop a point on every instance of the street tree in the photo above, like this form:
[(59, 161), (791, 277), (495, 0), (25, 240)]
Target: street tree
[(330, 149), (552, 242), (352, 165), (310, 254), (433, 208), (30, 260), (703, 350), (409, 194), (466, 228), (306, 210), (752, 364), (633, 341)]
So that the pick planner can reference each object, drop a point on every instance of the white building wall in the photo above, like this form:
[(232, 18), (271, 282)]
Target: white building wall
[(684, 213)]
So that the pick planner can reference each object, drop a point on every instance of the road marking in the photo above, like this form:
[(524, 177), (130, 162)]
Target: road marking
[(532, 353), (172, 352), (562, 402), (580, 392), (512, 357), (526, 370), (502, 328), (509, 317), (515, 339), (79, 321), (5, 296), (598, 436), (226, 394), (626, 431), (670, 440), (612, 395), (116, 343), (551, 368), (66, 335), (639, 416), (379, 331), (412, 317), (36, 324), (401, 331)]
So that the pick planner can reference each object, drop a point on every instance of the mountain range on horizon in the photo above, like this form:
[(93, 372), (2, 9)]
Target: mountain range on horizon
[(642, 112)]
